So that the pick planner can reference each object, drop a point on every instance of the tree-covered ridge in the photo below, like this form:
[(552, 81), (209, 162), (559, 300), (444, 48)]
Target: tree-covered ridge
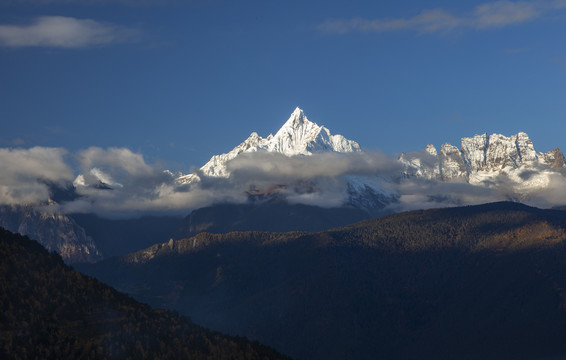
[(207, 240), (503, 225), (51, 311)]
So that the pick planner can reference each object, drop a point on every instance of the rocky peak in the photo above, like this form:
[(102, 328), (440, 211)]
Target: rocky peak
[(497, 152), (451, 163), (431, 150), (296, 119), (553, 158), (295, 135)]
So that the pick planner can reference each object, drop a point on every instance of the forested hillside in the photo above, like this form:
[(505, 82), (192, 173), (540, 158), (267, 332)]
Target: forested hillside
[(50, 311)]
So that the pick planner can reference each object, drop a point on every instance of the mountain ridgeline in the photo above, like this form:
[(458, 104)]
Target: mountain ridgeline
[(50, 311), (478, 282)]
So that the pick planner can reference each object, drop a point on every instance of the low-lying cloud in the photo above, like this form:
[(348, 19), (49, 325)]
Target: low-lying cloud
[(491, 15), (425, 194), (272, 167), (119, 182), (65, 32)]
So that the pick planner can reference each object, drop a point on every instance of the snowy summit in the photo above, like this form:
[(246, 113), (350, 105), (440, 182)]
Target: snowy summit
[(298, 136)]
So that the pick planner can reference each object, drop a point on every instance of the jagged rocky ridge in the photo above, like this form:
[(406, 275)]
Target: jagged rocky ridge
[(491, 161), (480, 156)]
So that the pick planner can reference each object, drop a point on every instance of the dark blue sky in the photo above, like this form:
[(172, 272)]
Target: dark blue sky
[(180, 81)]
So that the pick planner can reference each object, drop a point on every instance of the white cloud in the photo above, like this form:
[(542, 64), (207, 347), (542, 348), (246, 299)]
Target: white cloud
[(120, 158), (24, 173), (424, 194), (270, 167), (135, 186), (65, 32), (485, 16)]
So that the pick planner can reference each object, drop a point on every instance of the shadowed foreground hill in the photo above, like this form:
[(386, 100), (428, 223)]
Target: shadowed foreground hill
[(479, 282), (50, 311)]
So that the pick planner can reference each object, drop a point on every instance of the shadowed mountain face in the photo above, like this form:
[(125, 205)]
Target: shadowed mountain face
[(50, 311), (55, 231), (273, 215), (482, 282)]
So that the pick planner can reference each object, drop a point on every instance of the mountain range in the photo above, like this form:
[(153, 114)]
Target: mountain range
[(509, 165), (314, 174)]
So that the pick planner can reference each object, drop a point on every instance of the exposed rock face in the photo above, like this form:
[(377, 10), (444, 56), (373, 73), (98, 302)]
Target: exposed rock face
[(56, 232), (452, 164), (480, 157), (497, 152), (553, 158)]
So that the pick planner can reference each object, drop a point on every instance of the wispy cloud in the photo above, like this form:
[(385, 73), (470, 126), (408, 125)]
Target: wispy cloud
[(485, 16), (65, 32)]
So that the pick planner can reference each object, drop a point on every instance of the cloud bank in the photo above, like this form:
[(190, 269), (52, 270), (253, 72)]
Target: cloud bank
[(65, 32), (119, 182), (485, 16)]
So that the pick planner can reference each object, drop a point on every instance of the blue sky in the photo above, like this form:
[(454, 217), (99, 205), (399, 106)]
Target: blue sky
[(180, 81)]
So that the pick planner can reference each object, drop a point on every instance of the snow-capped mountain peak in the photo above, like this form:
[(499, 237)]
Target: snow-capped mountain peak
[(296, 119), (298, 136)]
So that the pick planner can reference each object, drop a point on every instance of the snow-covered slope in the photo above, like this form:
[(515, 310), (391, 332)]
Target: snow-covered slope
[(299, 136)]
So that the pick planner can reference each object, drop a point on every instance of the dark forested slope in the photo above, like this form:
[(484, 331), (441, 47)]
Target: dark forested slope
[(478, 282), (50, 311)]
